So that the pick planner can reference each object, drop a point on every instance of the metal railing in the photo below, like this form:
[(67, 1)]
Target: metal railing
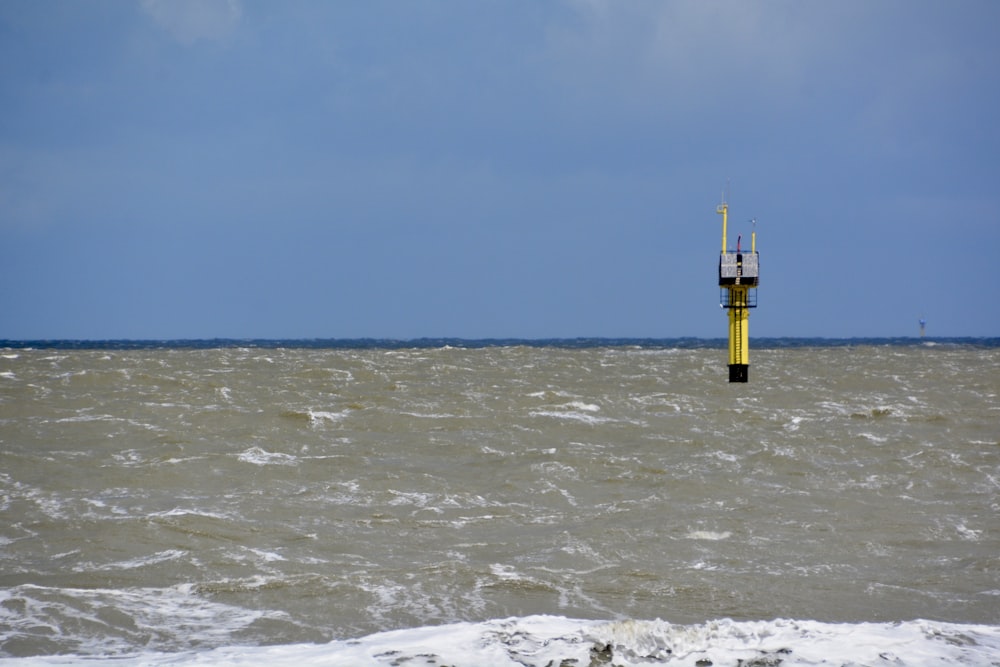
[(725, 298)]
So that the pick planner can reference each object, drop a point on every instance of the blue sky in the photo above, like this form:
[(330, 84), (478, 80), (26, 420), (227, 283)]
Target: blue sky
[(516, 168)]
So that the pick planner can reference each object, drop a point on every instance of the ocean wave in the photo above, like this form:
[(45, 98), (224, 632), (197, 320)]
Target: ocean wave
[(315, 418), (541, 641), (710, 535), (261, 457), (109, 623)]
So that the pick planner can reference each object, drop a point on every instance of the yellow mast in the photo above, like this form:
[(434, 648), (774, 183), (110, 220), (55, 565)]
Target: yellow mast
[(722, 209)]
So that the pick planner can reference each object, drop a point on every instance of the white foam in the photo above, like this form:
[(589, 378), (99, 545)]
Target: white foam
[(266, 556), (571, 415), (178, 511), (793, 425), (81, 418), (708, 535), (261, 457), (967, 533), (129, 457), (535, 641), (113, 622), (133, 563), (430, 415), (702, 565), (318, 417), (504, 572), (548, 393)]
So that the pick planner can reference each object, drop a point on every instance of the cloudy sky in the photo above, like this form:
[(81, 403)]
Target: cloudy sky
[(514, 168)]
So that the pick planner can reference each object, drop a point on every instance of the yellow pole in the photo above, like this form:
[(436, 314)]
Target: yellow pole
[(722, 209), (739, 335)]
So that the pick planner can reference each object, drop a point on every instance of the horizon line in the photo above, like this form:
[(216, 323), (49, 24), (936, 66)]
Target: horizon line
[(428, 342)]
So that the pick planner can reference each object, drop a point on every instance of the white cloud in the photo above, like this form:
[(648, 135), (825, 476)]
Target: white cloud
[(192, 20), (693, 51)]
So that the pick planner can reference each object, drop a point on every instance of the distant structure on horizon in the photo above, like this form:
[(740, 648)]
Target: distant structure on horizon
[(739, 274), (923, 326)]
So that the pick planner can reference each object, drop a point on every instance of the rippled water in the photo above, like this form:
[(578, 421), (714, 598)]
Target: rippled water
[(182, 499)]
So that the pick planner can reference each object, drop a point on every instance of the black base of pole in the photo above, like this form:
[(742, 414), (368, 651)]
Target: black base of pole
[(739, 372)]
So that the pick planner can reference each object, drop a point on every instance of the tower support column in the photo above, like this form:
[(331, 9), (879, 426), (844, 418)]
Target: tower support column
[(739, 335)]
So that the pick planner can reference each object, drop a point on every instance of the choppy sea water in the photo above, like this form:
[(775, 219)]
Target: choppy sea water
[(509, 504)]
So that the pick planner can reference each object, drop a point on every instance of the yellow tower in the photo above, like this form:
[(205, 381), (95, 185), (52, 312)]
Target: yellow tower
[(738, 277)]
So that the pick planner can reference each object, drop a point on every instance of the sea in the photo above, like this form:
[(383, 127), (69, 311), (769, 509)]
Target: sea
[(540, 503)]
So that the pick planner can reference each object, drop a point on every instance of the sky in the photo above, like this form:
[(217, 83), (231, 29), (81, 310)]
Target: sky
[(494, 169)]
